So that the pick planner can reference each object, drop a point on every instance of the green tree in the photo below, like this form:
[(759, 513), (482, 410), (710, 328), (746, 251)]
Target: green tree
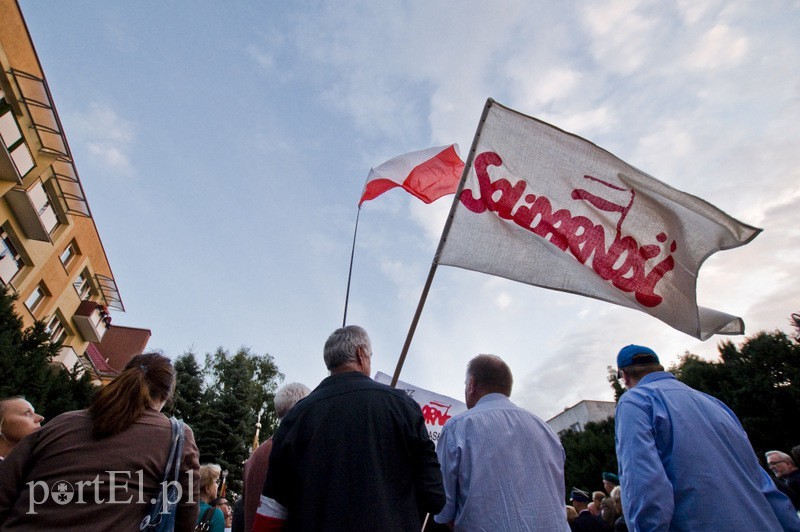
[(188, 396), (759, 381), (589, 453), (616, 385), (27, 369), (221, 403)]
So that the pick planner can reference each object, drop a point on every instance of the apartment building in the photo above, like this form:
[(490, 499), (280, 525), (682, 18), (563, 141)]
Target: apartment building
[(577, 416), (51, 254)]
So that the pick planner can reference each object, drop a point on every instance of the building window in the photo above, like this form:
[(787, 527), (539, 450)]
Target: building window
[(13, 140), (69, 253), (44, 206), (83, 285), (56, 329), (34, 300), (10, 260), (575, 427)]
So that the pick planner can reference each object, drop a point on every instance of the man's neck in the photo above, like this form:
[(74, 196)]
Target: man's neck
[(346, 368)]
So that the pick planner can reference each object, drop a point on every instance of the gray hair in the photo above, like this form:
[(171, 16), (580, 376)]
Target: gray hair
[(779, 454), (342, 345), (288, 396)]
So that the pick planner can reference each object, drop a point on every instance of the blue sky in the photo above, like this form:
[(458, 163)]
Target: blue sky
[(223, 148)]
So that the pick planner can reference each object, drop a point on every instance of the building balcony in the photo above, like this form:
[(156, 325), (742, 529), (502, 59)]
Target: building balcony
[(68, 358), (92, 321), (15, 155), (34, 210)]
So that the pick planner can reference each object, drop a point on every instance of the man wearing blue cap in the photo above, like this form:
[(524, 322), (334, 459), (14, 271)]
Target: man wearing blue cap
[(679, 449)]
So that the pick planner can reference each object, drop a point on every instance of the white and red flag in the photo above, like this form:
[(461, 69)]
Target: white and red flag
[(436, 408), (427, 174), (548, 208)]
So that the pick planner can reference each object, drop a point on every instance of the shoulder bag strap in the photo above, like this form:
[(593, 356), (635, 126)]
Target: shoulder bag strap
[(178, 437)]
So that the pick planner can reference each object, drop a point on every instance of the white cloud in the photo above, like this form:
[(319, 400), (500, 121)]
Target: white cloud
[(587, 123), (263, 58), (719, 47), (543, 87), (692, 11), (107, 136), (623, 33), (503, 301)]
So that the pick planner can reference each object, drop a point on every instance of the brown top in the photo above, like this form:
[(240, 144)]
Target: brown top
[(59, 477), (255, 472)]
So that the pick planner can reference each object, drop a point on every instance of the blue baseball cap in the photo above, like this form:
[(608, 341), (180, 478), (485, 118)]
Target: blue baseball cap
[(644, 355)]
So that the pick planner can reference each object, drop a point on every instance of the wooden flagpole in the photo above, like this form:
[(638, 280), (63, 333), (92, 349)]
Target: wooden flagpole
[(442, 240), (350, 272)]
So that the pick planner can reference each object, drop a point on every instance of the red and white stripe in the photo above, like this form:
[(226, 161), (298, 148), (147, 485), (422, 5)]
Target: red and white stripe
[(427, 174), (270, 516)]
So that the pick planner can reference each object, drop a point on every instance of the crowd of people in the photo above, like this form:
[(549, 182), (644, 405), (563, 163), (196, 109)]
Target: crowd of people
[(354, 454)]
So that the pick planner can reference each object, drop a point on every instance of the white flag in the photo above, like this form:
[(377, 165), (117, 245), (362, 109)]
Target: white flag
[(548, 208), (436, 408)]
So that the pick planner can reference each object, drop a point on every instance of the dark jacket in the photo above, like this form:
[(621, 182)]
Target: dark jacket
[(587, 522), (790, 485), (354, 455)]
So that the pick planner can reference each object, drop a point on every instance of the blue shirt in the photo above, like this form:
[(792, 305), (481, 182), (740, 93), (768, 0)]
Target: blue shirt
[(503, 469), (217, 523), (685, 463)]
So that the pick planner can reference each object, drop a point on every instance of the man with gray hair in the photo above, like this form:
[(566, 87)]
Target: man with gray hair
[(353, 455), (784, 468), (255, 468)]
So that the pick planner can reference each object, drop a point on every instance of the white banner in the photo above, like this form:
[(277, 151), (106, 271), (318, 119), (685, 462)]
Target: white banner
[(436, 408), (548, 208)]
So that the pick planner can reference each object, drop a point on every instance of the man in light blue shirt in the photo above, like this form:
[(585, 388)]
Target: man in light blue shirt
[(685, 462), (503, 467)]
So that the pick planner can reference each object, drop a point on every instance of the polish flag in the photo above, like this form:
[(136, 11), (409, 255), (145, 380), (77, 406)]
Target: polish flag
[(427, 174)]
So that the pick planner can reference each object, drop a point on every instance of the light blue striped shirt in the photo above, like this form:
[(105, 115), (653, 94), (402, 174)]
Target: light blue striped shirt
[(503, 469)]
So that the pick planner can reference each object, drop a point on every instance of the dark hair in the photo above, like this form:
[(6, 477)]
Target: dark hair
[(637, 371), (218, 501), (491, 374), (148, 378)]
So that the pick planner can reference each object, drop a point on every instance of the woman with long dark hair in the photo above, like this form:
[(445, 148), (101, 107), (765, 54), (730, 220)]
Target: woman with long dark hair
[(100, 468)]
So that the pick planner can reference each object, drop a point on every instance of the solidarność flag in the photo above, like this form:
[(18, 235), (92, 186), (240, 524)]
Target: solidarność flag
[(427, 174), (548, 208)]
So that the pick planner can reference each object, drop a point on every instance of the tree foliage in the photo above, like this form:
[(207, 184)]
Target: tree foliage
[(27, 370), (759, 381), (221, 402), (589, 453)]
